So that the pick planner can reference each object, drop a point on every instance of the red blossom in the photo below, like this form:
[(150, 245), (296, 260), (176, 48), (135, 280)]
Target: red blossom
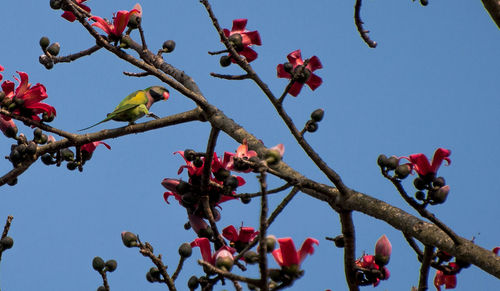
[(449, 281), (368, 262), (420, 163), (248, 38), (90, 147), (1, 70), (288, 256), (245, 235), (69, 16), (496, 250), (206, 251), (383, 250), (29, 98), (120, 21), (300, 73)]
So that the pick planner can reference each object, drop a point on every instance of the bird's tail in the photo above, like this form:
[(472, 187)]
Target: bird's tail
[(94, 124)]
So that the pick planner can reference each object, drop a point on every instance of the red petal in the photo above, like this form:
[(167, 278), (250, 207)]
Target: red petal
[(249, 54), (295, 58), (23, 85), (288, 252), (440, 155), (295, 89), (307, 248), (420, 163), (314, 82), (102, 24), (121, 20), (230, 233), (251, 38), (239, 25), (282, 73), (246, 234), (69, 16), (314, 64), (204, 244), (8, 88)]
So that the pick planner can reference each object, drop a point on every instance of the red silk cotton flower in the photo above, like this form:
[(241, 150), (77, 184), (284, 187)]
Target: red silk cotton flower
[(27, 99), (421, 165), (69, 16), (300, 72), (288, 256), (241, 39), (120, 21)]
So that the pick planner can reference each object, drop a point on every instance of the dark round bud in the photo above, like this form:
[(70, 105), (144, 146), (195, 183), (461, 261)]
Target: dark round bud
[(231, 181), (236, 41), (22, 139), (129, 239), (420, 195), (54, 49), (275, 275), (6, 243), (222, 174), (44, 42), (392, 163), (101, 288), (317, 115), (154, 274), (55, 4), (245, 199), (190, 155), (251, 257), (22, 148), (150, 278), (185, 250), (134, 21), (424, 2), (301, 74), (11, 132), (98, 264), (288, 67), (47, 159), (270, 243), (111, 265), (67, 154), (48, 117), (12, 182), (15, 156), (187, 225), (193, 283), (43, 139), (402, 171), (48, 65), (31, 148), (71, 166), (339, 241), (37, 133), (438, 182), (419, 183), (311, 126), (241, 165), (439, 196), (225, 61), (169, 46), (183, 187)]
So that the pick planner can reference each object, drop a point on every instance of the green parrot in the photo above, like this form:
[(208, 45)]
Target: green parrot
[(136, 105)]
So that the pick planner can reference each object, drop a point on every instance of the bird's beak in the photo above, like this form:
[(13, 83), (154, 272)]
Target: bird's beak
[(166, 95)]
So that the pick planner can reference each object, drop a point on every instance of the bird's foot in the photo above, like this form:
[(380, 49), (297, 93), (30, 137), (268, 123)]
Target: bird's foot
[(152, 115)]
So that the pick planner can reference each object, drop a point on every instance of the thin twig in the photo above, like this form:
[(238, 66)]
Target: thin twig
[(75, 56), (349, 248), (157, 260), (230, 77), (141, 74), (414, 246), (424, 269), (282, 206), (179, 268), (258, 194), (359, 25), (6, 229), (228, 275), (104, 279), (262, 232)]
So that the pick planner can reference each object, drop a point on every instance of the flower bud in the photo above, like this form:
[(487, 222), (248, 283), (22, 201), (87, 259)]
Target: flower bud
[(438, 182), (67, 154), (193, 283), (111, 265), (47, 159), (71, 166), (169, 46), (129, 239), (339, 241), (185, 250), (245, 199), (317, 115), (251, 257), (270, 243), (101, 288), (54, 49), (224, 260), (134, 21), (392, 163), (98, 264), (55, 4), (419, 183), (6, 243), (402, 171), (31, 148), (44, 41), (225, 61), (424, 2), (231, 181), (154, 275), (440, 195), (236, 41), (222, 174), (420, 195), (12, 182), (311, 126), (383, 250)]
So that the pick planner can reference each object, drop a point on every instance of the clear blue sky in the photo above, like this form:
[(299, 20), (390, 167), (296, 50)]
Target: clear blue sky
[(432, 82)]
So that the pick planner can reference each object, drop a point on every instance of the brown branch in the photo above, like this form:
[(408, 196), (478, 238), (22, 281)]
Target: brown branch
[(424, 269), (281, 206), (104, 279), (6, 229), (263, 231), (157, 260), (414, 246), (230, 77), (142, 74), (258, 194), (359, 25), (228, 275), (349, 248), (75, 56), (493, 8), (179, 268)]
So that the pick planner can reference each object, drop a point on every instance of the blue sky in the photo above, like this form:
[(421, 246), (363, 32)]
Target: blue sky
[(432, 82)]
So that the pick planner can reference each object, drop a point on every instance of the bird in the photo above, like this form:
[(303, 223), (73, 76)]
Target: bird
[(136, 105)]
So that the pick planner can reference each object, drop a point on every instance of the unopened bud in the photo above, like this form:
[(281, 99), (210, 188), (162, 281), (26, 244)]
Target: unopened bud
[(392, 163), (317, 115), (185, 250), (169, 46), (224, 260), (129, 239), (54, 49), (44, 42), (98, 264), (111, 265), (270, 243), (55, 4), (6, 243), (225, 61), (193, 282), (251, 257), (402, 171)]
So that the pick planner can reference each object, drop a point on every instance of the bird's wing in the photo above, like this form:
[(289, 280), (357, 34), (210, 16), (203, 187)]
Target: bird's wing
[(138, 97)]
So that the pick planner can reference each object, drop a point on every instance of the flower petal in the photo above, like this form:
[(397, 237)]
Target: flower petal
[(204, 244), (307, 248), (102, 24), (440, 155), (251, 38), (295, 89), (282, 73), (314, 82), (230, 233), (314, 64), (239, 25), (288, 252), (295, 58)]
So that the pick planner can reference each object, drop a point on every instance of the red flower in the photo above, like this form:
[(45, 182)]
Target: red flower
[(368, 262), (242, 39), (28, 98), (449, 281), (421, 164), (90, 147), (496, 250), (383, 250), (69, 16), (206, 252), (120, 21), (301, 74), (7, 126), (288, 256), (1, 70), (245, 235)]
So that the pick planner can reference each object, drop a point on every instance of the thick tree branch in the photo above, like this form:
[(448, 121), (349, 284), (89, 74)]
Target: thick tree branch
[(493, 8)]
